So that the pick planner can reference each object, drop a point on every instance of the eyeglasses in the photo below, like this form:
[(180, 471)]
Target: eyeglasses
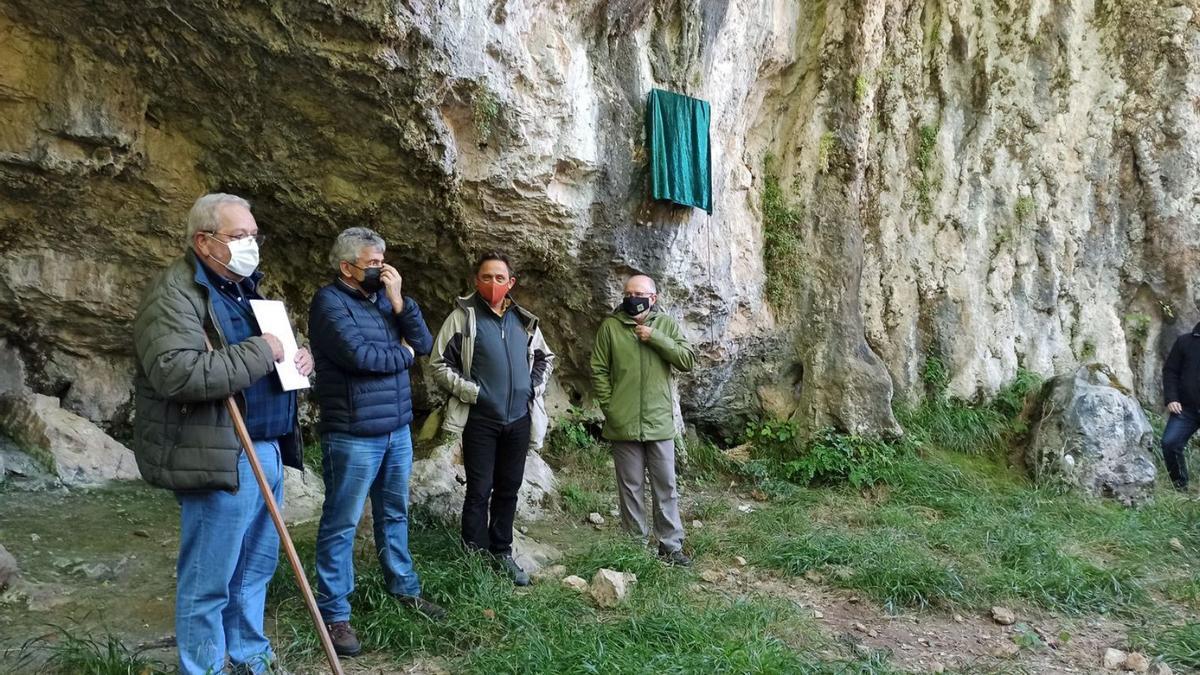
[(372, 265), (258, 238), (638, 295)]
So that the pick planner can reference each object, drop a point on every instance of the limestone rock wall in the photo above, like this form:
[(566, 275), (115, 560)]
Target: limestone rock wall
[(1006, 183)]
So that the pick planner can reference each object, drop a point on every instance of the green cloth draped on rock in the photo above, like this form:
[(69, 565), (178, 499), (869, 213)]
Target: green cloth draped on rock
[(680, 163)]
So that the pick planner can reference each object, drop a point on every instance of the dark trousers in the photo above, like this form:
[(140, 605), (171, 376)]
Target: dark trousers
[(494, 458), (1175, 439)]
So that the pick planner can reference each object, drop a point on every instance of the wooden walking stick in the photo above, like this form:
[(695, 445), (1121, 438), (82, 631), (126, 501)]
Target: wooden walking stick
[(239, 426)]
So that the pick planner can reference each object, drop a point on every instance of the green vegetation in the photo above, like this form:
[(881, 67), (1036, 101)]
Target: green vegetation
[(825, 149), (928, 181), (485, 112), (73, 651), (946, 422), (1088, 352), (1138, 325), (1024, 208), (1179, 646), (782, 255), (861, 88)]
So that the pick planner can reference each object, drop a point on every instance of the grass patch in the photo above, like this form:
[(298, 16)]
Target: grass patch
[(74, 651), (950, 531), (1179, 646), (494, 627), (962, 426)]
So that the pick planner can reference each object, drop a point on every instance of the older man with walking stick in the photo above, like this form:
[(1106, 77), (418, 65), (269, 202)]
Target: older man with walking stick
[(197, 345)]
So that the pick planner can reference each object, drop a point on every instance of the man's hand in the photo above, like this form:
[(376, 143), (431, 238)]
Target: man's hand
[(276, 346), (392, 281), (304, 362), (1175, 408), (643, 332)]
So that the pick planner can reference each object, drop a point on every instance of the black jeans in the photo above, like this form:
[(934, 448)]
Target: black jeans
[(494, 458), (1175, 439)]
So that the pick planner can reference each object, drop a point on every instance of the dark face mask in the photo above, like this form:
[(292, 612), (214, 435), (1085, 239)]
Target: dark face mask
[(371, 282), (634, 305)]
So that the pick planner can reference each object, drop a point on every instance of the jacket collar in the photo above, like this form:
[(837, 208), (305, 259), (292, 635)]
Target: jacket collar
[(346, 288), (528, 318), (1196, 330), (628, 320)]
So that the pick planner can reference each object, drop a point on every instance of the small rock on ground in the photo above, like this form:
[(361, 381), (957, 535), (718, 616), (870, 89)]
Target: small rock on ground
[(1137, 662), (1114, 658), (1004, 616), (576, 583)]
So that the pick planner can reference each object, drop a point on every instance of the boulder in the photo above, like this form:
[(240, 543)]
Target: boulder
[(75, 450), (438, 483), (531, 555), (303, 496), (1091, 435)]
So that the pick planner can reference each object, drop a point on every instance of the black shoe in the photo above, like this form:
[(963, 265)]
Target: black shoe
[(677, 557), (345, 641), (511, 569), (431, 611)]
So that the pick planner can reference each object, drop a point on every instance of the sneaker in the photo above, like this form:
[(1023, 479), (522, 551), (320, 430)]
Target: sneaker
[(431, 611), (345, 641), (677, 557), (510, 567)]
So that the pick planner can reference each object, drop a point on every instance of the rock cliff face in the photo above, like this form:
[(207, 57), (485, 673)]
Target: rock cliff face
[(1006, 183)]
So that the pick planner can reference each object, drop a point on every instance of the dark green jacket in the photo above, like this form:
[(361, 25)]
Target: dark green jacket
[(183, 437), (631, 379)]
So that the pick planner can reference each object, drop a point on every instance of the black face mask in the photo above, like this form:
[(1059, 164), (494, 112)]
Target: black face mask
[(634, 305), (371, 282)]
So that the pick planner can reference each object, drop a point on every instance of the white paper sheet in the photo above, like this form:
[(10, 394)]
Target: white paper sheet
[(272, 318)]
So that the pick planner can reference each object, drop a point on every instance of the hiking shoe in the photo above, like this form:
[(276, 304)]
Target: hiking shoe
[(431, 611), (511, 569), (345, 641), (677, 557)]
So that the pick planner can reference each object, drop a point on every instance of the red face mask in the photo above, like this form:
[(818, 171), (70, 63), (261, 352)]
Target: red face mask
[(493, 293)]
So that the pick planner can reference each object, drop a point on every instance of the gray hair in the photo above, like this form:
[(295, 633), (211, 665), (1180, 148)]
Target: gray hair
[(204, 214), (351, 242)]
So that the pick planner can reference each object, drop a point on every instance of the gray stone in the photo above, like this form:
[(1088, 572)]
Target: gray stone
[(438, 483), (9, 571), (303, 496), (75, 450), (531, 555), (576, 583), (1113, 659), (1092, 435), (1003, 616), (609, 588)]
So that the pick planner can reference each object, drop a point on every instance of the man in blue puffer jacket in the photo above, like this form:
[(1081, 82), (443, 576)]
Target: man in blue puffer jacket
[(365, 336)]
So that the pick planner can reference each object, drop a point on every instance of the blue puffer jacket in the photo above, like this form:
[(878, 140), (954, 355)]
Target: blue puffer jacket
[(362, 367)]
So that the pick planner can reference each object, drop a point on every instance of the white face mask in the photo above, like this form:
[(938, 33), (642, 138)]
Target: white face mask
[(243, 256)]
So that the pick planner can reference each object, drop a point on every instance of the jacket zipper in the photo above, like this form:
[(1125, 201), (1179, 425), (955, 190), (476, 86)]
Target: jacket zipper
[(508, 359), (641, 388)]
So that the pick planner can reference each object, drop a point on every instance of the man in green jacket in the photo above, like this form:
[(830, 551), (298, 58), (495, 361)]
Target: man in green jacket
[(184, 441), (636, 347)]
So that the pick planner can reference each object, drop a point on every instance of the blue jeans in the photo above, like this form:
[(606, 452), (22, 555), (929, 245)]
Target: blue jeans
[(228, 548), (355, 466), (1175, 439)]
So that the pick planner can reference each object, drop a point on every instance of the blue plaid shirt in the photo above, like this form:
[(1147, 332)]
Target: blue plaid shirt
[(270, 411)]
